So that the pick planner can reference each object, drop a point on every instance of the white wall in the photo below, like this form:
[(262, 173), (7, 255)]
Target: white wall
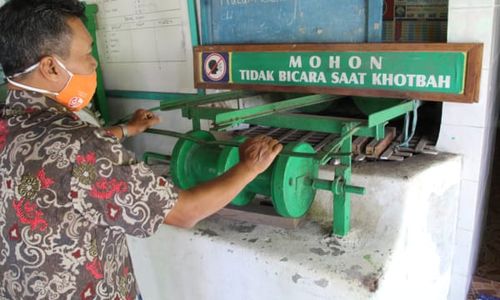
[(470, 130)]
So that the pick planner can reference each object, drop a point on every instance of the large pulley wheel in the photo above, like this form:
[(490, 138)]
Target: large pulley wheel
[(291, 186), (183, 156)]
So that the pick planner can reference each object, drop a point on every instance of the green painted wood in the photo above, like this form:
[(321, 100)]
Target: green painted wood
[(3, 93), (193, 23), (436, 72), (100, 98)]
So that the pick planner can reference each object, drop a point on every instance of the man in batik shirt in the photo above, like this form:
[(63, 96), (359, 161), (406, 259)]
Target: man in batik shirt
[(69, 191)]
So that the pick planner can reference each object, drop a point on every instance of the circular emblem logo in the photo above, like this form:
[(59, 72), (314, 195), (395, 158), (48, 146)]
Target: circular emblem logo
[(75, 102), (215, 67)]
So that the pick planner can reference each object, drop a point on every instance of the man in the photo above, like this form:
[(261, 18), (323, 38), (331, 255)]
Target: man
[(69, 192)]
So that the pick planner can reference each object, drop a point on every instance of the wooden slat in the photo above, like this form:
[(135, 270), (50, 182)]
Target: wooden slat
[(375, 149), (258, 214), (421, 145), (359, 144)]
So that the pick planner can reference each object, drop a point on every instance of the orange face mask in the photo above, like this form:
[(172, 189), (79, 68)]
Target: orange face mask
[(76, 94)]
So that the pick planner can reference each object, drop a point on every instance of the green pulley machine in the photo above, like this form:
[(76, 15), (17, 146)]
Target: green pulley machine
[(291, 181)]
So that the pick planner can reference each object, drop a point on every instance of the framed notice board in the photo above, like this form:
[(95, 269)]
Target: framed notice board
[(436, 72), (290, 21), (145, 47)]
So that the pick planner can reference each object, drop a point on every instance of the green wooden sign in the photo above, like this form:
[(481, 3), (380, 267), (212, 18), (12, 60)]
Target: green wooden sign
[(424, 73)]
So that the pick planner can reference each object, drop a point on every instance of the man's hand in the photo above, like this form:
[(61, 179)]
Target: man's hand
[(141, 120), (258, 153)]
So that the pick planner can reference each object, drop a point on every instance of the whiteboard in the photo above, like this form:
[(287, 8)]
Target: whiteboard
[(291, 21), (145, 45)]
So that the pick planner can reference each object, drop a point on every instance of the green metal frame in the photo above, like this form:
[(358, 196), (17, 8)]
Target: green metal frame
[(232, 118), (275, 115)]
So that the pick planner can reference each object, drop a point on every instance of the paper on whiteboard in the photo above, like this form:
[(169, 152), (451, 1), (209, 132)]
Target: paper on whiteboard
[(145, 45)]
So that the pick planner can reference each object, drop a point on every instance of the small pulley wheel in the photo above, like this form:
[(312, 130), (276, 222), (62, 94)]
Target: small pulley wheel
[(291, 185)]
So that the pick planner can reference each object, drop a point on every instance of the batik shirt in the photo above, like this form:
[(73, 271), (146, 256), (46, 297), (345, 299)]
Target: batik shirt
[(69, 195)]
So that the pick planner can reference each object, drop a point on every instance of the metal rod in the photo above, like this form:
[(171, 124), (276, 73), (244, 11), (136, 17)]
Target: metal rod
[(238, 116), (193, 100), (322, 184), (392, 112), (355, 189), (322, 124), (324, 156), (147, 155), (206, 99), (231, 143)]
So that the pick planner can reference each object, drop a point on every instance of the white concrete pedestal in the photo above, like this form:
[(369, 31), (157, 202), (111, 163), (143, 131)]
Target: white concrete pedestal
[(400, 245)]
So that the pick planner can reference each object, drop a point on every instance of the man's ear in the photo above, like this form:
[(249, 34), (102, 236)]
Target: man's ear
[(50, 69)]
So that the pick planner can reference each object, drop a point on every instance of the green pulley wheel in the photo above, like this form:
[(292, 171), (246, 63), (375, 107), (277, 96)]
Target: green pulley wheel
[(228, 158), (190, 163), (291, 185)]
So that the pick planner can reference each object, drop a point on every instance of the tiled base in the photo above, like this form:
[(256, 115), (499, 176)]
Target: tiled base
[(484, 289), (487, 281), (489, 258)]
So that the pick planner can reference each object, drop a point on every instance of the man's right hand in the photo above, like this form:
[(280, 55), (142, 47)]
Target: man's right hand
[(258, 153)]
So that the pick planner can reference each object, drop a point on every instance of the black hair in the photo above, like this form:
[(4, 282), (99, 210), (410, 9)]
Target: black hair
[(32, 29)]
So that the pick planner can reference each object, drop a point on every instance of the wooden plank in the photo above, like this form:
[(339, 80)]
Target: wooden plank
[(396, 158), (359, 145), (374, 150), (396, 47), (430, 150), (371, 147), (470, 94), (360, 157), (421, 145), (259, 214), (387, 153), (403, 154)]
